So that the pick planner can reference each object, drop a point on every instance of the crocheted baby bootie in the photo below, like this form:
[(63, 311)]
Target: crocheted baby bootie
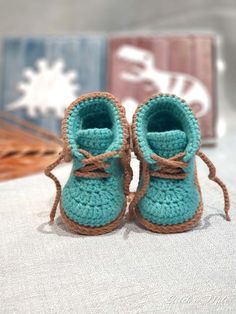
[(96, 138), (166, 139)]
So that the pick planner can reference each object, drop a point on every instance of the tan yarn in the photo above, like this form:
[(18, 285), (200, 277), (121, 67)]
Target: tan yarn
[(170, 168), (212, 176), (92, 231)]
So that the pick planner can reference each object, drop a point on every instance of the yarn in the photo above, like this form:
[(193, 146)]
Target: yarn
[(167, 113), (166, 138), (94, 125), (95, 137)]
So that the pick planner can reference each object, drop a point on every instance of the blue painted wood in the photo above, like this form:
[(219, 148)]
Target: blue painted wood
[(84, 55)]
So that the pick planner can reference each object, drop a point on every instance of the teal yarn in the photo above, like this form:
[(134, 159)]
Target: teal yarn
[(166, 126), (94, 114), (93, 202), (94, 125), (167, 144), (96, 141), (166, 113), (169, 202)]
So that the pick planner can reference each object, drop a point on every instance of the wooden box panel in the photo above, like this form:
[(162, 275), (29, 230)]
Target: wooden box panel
[(41, 77), (183, 65)]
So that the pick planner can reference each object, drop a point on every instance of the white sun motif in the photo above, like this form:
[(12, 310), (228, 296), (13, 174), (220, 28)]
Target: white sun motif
[(49, 88)]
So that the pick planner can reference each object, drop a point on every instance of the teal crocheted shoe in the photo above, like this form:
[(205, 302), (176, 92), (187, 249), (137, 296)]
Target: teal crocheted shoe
[(95, 136), (166, 139)]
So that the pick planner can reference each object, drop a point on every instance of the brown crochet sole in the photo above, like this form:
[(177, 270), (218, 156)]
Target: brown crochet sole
[(92, 231), (185, 226)]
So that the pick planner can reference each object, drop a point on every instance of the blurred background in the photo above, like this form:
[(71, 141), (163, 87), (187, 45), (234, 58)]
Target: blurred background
[(51, 52)]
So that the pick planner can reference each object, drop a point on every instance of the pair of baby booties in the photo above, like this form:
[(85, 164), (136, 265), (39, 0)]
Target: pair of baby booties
[(165, 137)]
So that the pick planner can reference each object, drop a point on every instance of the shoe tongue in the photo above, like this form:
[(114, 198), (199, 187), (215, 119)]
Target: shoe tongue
[(95, 141), (167, 144)]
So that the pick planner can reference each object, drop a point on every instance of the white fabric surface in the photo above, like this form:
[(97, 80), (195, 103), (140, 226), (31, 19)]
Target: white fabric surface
[(47, 269)]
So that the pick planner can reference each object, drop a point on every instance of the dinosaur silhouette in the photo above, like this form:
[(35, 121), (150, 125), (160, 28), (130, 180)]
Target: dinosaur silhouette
[(183, 85), (49, 88)]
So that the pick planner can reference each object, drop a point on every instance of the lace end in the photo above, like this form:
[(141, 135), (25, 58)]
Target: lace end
[(227, 217), (130, 216), (131, 212), (53, 211), (57, 183), (51, 221), (52, 217)]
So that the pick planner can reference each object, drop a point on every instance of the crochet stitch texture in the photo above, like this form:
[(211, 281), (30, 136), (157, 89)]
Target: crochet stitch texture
[(95, 136), (166, 138), (163, 126)]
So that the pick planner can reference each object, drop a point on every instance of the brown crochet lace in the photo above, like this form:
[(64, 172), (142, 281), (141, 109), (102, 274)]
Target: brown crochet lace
[(94, 168), (94, 165), (48, 173), (172, 168)]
